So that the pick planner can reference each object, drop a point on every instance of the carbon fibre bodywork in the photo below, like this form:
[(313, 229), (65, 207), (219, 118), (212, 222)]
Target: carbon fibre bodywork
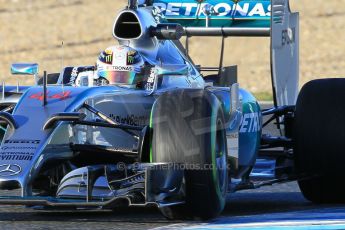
[(34, 150)]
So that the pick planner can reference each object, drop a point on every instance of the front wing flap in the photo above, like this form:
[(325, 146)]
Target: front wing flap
[(162, 187)]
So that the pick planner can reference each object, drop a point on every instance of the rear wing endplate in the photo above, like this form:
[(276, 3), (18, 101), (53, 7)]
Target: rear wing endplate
[(284, 53)]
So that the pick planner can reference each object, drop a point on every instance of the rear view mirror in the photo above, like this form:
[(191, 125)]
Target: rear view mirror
[(24, 68), (174, 69)]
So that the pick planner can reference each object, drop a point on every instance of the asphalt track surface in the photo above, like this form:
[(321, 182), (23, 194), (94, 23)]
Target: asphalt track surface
[(269, 205), (280, 206)]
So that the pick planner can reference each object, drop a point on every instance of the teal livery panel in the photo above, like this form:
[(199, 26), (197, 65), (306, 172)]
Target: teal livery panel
[(250, 129), (190, 13)]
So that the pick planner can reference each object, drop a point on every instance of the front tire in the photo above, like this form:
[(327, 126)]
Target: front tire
[(188, 128)]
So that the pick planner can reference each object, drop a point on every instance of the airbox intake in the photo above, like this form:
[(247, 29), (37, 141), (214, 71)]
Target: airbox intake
[(127, 26)]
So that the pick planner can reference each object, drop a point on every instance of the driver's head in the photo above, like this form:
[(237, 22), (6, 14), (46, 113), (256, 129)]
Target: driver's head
[(120, 65)]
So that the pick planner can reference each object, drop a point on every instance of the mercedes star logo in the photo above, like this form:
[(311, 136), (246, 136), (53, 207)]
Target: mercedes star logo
[(9, 170)]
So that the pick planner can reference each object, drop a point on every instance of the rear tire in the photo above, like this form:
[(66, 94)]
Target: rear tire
[(319, 136), (188, 127)]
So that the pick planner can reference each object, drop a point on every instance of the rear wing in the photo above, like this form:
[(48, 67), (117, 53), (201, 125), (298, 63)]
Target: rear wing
[(246, 18), (219, 18)]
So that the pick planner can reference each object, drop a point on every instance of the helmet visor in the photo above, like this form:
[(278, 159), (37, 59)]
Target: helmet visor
[(119, 77)]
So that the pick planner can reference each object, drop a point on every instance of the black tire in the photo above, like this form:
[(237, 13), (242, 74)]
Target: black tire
[(188, 127), (319, 136)]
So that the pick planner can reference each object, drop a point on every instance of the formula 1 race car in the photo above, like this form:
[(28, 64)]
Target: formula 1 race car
[(177, 139)]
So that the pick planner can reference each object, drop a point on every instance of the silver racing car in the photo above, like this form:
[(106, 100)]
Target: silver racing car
[(147, 126)]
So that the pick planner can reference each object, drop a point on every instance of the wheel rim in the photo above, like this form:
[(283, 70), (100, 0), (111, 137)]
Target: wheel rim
[(221, 163)]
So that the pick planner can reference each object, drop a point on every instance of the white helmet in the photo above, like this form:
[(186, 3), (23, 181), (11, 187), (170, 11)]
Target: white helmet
[(120, 65)]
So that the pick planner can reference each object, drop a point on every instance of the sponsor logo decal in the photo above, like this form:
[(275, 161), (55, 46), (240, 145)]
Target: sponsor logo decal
[(150, 83), (9, 169), (132, 56), (250, 123), (109, 59), (18, 156), (74, 75), (17, 148), (288, 36), (157, 14), (246, 9), (120, 149), (61, 96), (130, 60), (108, 51), (20, 150), (132, 53), (106, 56), (130, 119), (22, 142), (116, 68)]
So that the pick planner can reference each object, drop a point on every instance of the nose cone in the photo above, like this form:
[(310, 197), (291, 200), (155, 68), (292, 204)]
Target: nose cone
[(9, 176), (22, 147)]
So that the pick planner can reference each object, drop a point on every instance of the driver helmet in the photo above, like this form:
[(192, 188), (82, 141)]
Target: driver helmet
[(120, 65)]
